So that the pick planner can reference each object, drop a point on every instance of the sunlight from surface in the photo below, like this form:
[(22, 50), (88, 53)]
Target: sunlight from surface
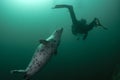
[(31, 2)]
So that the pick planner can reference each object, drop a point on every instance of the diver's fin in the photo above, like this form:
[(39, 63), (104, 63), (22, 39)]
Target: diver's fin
[(71, 11), (17, 71), (62, 6), (43, 41)]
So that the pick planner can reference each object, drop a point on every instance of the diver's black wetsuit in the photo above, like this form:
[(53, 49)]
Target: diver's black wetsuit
[(80, 27)]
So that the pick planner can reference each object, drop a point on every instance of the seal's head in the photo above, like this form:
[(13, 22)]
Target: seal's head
[(57, 34)]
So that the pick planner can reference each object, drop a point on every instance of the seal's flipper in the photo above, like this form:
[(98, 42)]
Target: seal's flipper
[(43, 41), (26, 77), (17, 71)]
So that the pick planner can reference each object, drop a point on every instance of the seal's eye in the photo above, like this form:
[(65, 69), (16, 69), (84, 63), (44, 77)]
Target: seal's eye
[(54, 40)]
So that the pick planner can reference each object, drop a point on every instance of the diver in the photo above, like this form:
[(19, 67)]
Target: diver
[(80, 27)]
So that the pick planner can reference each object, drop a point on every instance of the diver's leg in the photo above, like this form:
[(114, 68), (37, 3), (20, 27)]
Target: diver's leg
[(71, 11), (85, 36)]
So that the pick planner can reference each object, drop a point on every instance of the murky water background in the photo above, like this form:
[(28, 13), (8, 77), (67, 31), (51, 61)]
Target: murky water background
[(21, 26)]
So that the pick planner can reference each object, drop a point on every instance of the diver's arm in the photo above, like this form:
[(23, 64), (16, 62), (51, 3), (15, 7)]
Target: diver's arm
[(104, 28), (85, 36), (70, 8)]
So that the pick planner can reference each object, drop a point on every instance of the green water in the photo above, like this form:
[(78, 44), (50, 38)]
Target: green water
[(21, 26)]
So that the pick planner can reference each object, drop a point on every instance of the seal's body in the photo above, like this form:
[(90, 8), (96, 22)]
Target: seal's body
[(42, 54)]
